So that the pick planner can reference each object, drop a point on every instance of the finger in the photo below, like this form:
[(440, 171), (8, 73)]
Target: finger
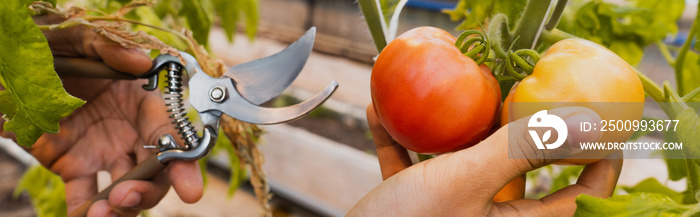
[(392, 156), (187, 180), (134, 195), (152, 122), (494, 151), (130, 60), (597, 179), (80, 41), (121, 166), (100, 208), (79, 190)]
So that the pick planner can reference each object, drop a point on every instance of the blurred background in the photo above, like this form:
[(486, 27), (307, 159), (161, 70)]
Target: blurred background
[(322, 164)]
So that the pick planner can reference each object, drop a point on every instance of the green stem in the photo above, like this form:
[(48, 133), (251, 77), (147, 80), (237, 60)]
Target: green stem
[(674, 99), (688, 97), (692, 211), (556, 15), (424, 157), (678, 66), (499, 35), (666, 53), (650, 87), (529, 23), (111, 18), (374, 22)]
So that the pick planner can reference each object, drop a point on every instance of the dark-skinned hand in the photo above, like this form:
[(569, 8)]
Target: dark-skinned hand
[(108, 132), (464, 183)]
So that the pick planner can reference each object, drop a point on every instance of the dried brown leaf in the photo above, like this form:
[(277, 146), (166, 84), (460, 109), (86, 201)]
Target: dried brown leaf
[(131, 6), (243, 136)]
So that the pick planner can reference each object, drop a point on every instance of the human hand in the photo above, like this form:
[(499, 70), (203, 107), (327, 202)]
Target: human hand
[(465, 182), (109, 131)]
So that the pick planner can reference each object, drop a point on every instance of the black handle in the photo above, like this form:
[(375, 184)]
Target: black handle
[(86, 68)]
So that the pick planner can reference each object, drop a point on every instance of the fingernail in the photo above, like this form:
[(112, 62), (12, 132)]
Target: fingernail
[(576, 135), (132, 199)]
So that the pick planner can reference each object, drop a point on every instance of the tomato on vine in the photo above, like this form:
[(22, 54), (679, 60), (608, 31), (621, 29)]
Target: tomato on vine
[(430, 96), (578, 70)]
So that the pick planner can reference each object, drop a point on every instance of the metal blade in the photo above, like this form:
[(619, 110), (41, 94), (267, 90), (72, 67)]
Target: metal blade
[(260, 80), (219, 94)]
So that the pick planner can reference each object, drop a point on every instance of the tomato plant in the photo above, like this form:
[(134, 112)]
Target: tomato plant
[(518, 31), (429, 96)]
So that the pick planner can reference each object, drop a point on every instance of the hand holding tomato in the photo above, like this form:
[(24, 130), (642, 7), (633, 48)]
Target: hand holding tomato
[(465, 182)]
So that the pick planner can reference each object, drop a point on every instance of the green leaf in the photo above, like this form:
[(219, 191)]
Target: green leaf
[(198, 19), (238, 173), (474, 12), (149, 16), (46, 190), (664, 15), (630, 51), (623, 28), (691, 73), (252, 17), (230, 13), (688, 133), (635, 204), (38, 100), (651, 185), (7, 106), (675, 164), (587, 16)]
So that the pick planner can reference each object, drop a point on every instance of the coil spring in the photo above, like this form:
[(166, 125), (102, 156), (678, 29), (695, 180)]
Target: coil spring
[(173, 100)]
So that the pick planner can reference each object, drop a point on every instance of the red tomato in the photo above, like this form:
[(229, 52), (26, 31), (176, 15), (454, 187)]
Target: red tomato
[(429, 96)]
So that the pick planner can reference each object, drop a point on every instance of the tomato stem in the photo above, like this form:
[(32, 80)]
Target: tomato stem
[(556, 14), (666, 53), (374, 22), (690, 96), (530, 22), (650, 87), (678, 66)]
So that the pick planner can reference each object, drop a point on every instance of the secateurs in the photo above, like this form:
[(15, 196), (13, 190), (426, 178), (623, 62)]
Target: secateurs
[(238, 94)]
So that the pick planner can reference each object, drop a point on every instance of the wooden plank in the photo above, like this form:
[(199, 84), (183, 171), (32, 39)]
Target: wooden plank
[(321, 174)]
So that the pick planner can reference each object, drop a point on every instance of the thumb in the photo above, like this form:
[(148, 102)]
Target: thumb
[(130, 60), (513, 151)]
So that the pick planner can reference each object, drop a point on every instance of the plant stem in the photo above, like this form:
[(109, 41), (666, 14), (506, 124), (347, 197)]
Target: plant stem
[(650, 87), (688, 97), (499, 35), (110, 18), (556, 15), (374, 22), (529, 23), (678, 66), (666, 53)]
